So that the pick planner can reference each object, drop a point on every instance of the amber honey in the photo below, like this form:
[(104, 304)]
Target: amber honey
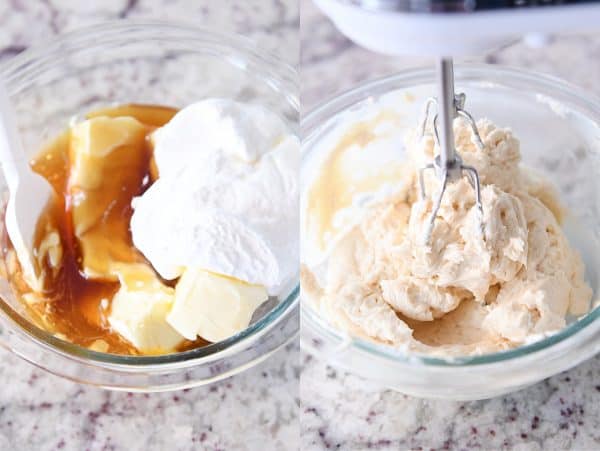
[(74, 305)]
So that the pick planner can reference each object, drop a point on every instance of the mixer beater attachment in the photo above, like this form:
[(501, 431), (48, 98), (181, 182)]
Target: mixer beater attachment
[(448, 165)]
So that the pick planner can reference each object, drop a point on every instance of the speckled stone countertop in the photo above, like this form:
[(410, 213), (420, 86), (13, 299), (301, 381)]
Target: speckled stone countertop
[(342, 411), (257, 409)]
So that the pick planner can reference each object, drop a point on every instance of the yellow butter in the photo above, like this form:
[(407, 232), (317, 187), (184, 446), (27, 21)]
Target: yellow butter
[(140, 308), (212, 306)]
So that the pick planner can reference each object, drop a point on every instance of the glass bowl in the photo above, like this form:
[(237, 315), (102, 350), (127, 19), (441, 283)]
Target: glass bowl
[(557, 125), (151, 63)]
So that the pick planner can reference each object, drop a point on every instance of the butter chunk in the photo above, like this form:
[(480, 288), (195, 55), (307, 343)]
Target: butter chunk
[(140, 307), (93, 140), (212, 306), (109, 160), (51, 247)]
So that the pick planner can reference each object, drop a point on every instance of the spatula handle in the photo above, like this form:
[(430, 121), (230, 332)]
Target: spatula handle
[(12, 156)]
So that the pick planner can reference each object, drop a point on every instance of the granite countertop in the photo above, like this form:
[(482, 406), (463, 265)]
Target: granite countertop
[(342, 411), (255, 409)]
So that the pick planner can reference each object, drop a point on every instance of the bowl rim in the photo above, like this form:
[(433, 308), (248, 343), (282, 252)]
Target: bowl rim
[(281, 74), (36, 53), (311, 122)]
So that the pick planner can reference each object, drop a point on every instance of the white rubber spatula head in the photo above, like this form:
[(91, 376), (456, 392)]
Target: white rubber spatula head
[(29, 192)]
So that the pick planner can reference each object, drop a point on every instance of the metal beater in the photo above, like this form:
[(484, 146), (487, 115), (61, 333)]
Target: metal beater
[(448, 166)]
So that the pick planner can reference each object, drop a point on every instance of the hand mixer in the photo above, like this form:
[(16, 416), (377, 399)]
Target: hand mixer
[(448, 165), (445, 28)]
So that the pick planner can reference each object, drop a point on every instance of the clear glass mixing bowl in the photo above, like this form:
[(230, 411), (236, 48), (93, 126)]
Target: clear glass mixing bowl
[(558, 127), (150, 63)]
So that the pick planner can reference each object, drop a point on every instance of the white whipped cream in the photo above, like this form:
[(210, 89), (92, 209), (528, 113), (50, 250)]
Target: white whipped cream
[(226, 199)]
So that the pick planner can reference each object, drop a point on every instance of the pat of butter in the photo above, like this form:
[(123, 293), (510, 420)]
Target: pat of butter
[(212, 306), (140, 308), (108, 160), (51, 247), (92, 143)]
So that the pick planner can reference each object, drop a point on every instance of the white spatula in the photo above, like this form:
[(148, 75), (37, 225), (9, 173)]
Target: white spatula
[(29, 192)]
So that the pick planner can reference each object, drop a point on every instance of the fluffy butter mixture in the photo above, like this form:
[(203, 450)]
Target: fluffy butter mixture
[(467, 292)]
